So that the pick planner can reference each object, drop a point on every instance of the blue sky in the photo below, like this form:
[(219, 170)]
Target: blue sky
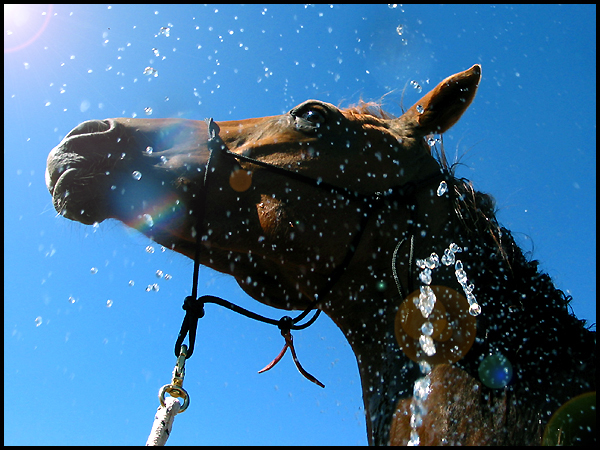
[(78, 372)]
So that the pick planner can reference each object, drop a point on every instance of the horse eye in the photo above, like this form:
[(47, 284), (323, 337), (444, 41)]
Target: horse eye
[(313, 117)]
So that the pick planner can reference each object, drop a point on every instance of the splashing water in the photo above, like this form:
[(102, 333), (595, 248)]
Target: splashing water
[(442, 189), (151, 71)]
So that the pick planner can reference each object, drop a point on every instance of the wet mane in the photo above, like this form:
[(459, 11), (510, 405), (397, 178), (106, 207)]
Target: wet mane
[(520, 304), (507, 284), (501, 272)]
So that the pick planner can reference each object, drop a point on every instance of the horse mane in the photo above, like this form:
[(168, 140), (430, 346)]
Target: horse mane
[(476, 212), (524, 316)]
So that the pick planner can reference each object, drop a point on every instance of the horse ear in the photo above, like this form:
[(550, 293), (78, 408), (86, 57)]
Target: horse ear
[(441, 108)]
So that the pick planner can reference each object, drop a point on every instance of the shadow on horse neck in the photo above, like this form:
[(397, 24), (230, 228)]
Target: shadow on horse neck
[(459, 338)]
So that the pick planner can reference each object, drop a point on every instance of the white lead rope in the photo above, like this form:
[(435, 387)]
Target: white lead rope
[(170, 406), (163, 422)]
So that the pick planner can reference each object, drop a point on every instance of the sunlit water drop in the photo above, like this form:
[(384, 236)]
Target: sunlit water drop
[(38, 321), (93, 270), (109, 303), (151, 71), (474, 309), (442, 188), (136, 175), (148, 220), (166, 31)]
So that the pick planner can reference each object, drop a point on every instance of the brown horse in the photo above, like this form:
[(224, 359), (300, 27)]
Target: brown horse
[(458, 338)]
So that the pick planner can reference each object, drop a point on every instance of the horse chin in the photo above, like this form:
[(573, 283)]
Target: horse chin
[(262, 289)]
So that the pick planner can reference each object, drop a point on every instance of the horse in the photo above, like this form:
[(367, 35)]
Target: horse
[(459, 339)]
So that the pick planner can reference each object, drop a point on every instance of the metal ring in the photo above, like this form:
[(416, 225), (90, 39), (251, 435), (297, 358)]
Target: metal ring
[(174, 391)]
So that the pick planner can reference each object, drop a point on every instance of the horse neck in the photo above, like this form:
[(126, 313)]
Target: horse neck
[(367, 299), (364, 305)]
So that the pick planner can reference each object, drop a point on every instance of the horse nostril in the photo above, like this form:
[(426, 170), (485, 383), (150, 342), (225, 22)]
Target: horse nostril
[(89, 127)]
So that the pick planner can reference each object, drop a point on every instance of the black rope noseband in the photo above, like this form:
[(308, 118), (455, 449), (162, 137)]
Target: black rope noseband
[(194, 306)]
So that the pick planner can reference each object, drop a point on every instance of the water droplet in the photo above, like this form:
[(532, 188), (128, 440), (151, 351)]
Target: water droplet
[(448, 259), (442, 188), (38, 321), (149, 150), (422, 388), (150, 71), (155, 287), (72, 300), (420, 109), (433, 262), (156, 52), (148, 221), (149, 249), (461, 276), (159, 273), (394, 6), (427, 345), (426, 301), (109, 303), (136, 175), (416, 85), (474, 309), (167, 276), (425, 276), (93, 270), (399, 30), (455, 248), (427, 328), (381, 285), (164, 30), (414, 439), (432, 140), (148, 288), (131, 282), (148, 111)]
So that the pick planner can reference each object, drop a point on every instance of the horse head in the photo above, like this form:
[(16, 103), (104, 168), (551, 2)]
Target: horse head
[(279, 237)]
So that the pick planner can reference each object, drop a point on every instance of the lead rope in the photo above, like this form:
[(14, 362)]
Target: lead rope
[(194, 307)]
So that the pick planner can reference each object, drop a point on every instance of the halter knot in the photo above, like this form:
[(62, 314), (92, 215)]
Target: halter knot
[(193, 306), (194, 310), (285, 324)]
